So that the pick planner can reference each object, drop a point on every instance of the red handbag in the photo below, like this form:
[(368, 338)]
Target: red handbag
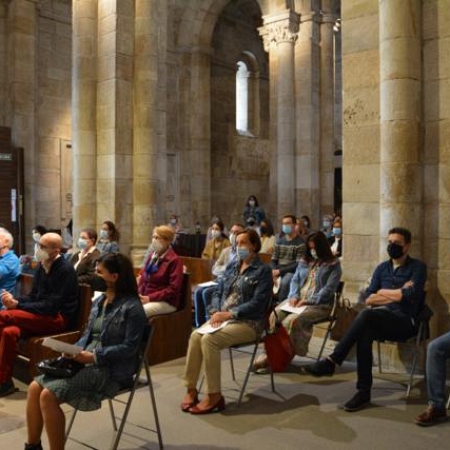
[(279, 348)]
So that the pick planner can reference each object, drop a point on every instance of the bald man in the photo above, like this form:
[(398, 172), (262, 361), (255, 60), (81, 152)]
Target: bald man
[(49, 308)]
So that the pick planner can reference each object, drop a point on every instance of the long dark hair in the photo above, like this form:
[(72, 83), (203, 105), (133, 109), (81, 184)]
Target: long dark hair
[(121, 264), (322, 247), (269, 226)]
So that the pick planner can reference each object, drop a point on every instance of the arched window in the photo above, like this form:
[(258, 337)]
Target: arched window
[(247, 95)]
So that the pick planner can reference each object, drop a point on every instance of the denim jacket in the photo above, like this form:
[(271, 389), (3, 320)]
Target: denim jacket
[(327, 280), (122, 330), (254, 286)]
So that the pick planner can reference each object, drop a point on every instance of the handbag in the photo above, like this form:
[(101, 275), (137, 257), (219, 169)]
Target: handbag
[(279, 348), (59, 367), (344, 316)]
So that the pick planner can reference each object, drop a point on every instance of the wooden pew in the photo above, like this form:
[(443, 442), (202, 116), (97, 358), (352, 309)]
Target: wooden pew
[(172, 331), (31, 348), (198, 268), (265, 257)]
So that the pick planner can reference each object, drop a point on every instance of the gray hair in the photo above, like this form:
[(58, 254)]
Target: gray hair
[(8, 237)]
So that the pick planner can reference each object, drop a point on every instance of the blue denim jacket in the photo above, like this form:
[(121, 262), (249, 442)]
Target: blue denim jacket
[(254, 286), (122, 330), (327, 280)]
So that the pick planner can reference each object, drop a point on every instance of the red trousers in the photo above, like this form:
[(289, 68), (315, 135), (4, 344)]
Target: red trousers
[(13, 324)]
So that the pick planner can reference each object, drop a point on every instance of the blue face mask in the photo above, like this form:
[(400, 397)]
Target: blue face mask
[(337, 231), (287, 229), (82, 243), (242, 253)]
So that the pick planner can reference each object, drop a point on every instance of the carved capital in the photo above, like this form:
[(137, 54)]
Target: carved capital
[(279, 28)]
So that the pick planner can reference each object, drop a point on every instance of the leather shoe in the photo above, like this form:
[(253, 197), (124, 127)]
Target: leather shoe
[(431, 416), (359, 401), (186, 406), (219, 406), (324, 367)]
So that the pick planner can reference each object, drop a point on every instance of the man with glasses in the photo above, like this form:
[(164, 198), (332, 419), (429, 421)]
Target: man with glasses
[(394, 296), (49, 308)]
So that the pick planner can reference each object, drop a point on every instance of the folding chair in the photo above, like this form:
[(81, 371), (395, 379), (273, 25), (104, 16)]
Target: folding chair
[(331, 319), (422, 334), (142, 363)]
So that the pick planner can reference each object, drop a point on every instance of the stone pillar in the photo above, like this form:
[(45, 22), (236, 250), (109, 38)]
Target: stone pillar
[(280, 33), (326, 99), (84, 95), (145, 124), (307, 194), (115, 115), (22, 88), (400, 106)]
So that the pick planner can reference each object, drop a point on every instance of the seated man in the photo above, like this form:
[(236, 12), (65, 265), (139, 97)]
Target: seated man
[(49, 308), (9, 262), (287, 253), (395, 294), (438, 353)]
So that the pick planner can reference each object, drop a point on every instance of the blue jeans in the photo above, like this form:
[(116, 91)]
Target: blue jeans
[(437, 354), (202, 300), (369, 325)]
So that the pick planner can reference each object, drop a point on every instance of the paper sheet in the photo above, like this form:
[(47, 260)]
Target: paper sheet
[(293, 309), (60, 346), (207, 284), (205, 329)]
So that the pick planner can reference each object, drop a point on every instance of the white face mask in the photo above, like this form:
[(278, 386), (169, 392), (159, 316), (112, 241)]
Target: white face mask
[(215, 234), (233, 239), (41, 255), (36, 237), (157, 246), (314, 253)]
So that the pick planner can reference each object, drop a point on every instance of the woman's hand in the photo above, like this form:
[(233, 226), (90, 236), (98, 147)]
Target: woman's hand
[(219, 317), (84, 357), (144, 299)]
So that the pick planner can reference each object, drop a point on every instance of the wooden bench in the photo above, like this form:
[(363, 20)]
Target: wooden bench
[(199, 269), (172, 331), (31, 348), (265, 257)]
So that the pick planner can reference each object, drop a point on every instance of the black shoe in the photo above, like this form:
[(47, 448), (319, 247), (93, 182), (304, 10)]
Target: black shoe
[(33, 446), (321, 368), (7, 388), (359, 401)]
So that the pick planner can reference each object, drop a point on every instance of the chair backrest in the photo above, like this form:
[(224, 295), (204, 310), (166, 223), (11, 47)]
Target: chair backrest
[(199, 269), (265, 257), (337, 296)]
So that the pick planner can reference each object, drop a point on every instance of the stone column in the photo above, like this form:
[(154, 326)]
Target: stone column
[(84, 95), (280, 33), (400, 106), (145, 124), (22, 88), (326, 99)]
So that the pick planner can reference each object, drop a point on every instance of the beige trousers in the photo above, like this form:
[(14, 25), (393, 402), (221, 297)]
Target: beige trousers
[(155, 308), (205, 348)]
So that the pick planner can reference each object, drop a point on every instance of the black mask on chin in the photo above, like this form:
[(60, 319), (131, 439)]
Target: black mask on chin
[(395, 251)]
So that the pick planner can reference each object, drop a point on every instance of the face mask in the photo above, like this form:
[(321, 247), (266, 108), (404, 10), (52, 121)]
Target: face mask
[(252, 203), (326, 224), (36, 237), (41, 255), (173, 221), (263, 230), (287, 229), (98, 284), (233, 239), (215, 234), (337, 231), (103, 234), (313, 253), (305, 223), (157, 246), (251, 222), (82, 243), (395, 251), (242, 253)]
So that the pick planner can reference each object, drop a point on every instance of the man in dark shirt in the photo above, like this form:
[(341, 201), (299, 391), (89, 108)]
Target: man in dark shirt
[(49, 308), (394, 296)]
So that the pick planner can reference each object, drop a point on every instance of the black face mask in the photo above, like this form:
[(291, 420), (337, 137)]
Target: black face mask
[(395, 251), (98, 284), (263, 230)]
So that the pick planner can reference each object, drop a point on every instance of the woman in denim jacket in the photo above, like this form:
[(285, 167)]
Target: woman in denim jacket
[(236, 316), (312, 288), (110, 348)]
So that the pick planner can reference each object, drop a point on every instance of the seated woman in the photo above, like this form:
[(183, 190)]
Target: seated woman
[(336, 239), (84, 260), (268, 238), (109, 238), (218, 242), (110, 342), (161, 278), (313, 285), (241, 298), (253, 210)]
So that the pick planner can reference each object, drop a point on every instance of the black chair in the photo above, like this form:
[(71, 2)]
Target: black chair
[(331, 319), (422, 325), (137, 383)]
